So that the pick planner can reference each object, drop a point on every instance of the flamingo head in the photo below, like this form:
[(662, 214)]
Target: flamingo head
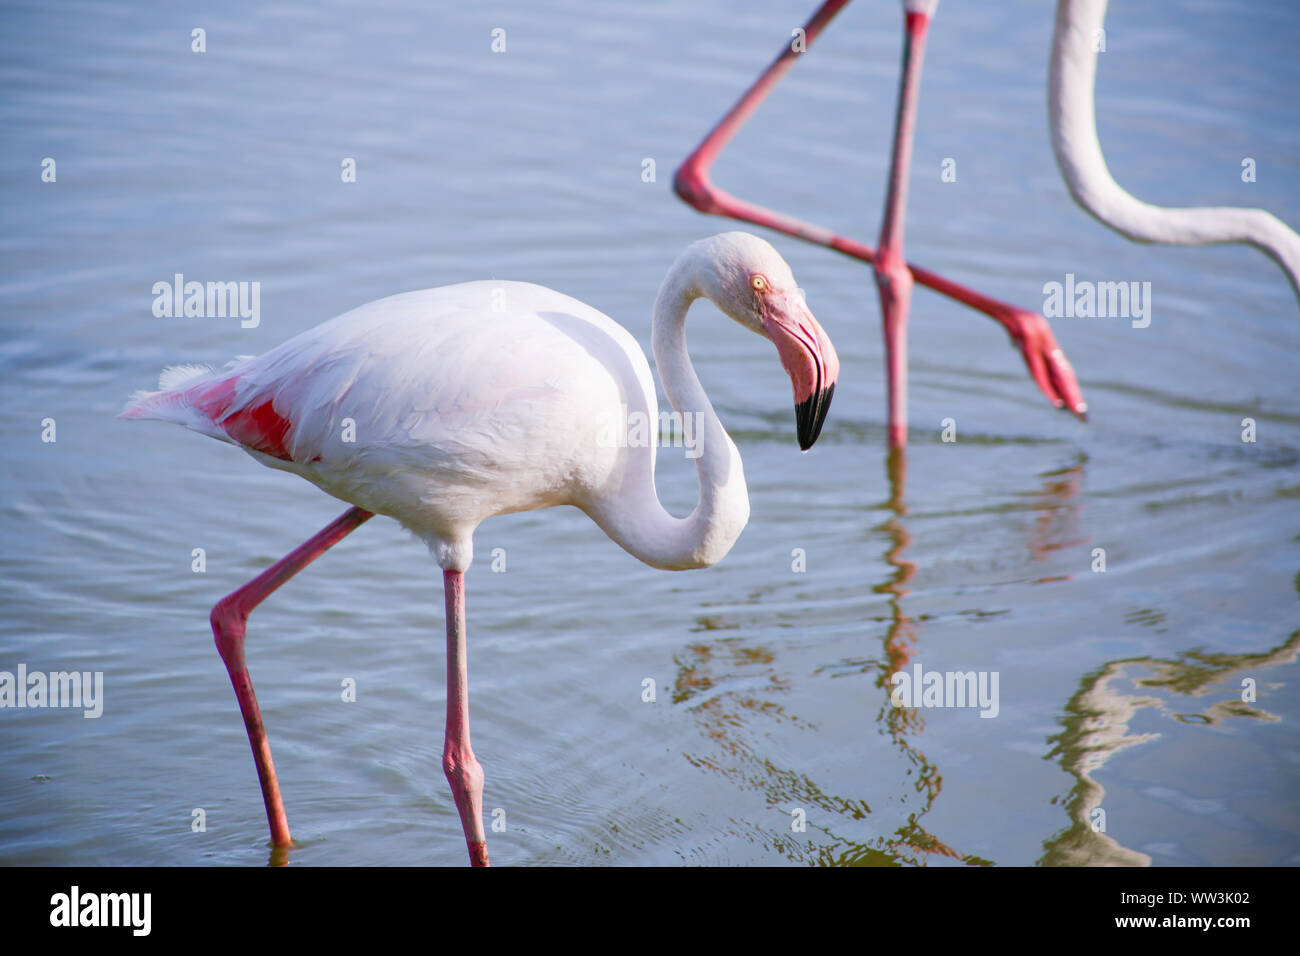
[(754, 285)]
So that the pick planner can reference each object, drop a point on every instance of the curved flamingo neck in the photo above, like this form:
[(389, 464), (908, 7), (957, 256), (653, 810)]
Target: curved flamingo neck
[(637, 520), (1078, 152)]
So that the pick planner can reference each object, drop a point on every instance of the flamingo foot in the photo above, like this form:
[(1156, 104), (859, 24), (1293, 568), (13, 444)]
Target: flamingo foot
[(465, 775), (1045, 359)]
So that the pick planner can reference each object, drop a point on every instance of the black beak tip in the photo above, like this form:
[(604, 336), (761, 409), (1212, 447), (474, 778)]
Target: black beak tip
[(810, 415)]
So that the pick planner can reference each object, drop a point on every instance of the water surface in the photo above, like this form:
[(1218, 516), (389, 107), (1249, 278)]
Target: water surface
[(1119, 690)]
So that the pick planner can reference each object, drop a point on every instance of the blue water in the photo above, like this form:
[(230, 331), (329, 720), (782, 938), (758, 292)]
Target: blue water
[(1119, 691)]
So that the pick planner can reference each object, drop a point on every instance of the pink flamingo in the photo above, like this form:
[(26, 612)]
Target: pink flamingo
[(1078, 153), (1030, 332), (444, 407)]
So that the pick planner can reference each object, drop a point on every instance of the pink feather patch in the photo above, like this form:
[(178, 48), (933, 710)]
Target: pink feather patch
[(259, 427)]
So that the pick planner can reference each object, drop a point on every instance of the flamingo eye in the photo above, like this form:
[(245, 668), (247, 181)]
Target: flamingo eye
[(758, 283)]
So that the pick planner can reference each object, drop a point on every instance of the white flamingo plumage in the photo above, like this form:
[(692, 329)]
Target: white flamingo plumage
[(443, 407)]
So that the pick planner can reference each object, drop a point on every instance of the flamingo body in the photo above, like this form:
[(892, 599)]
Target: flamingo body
[(464, 402), (443, 407)]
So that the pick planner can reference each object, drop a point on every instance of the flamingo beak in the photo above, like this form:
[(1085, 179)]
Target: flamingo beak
[(808, 357)]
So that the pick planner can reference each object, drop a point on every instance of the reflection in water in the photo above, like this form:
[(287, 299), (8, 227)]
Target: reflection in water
[(1056, 526), (748, 670), (900, 643), (728, 719), (730, 684), (1098, 721)]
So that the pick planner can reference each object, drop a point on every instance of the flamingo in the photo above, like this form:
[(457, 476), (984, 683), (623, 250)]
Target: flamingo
[(1072, 110), (1078, 153), (895, 277), (487, 398)]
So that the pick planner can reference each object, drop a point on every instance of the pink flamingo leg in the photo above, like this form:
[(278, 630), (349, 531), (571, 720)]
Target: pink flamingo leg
[(893, 278), (229, 623), (1029, 331), (458, 761)]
